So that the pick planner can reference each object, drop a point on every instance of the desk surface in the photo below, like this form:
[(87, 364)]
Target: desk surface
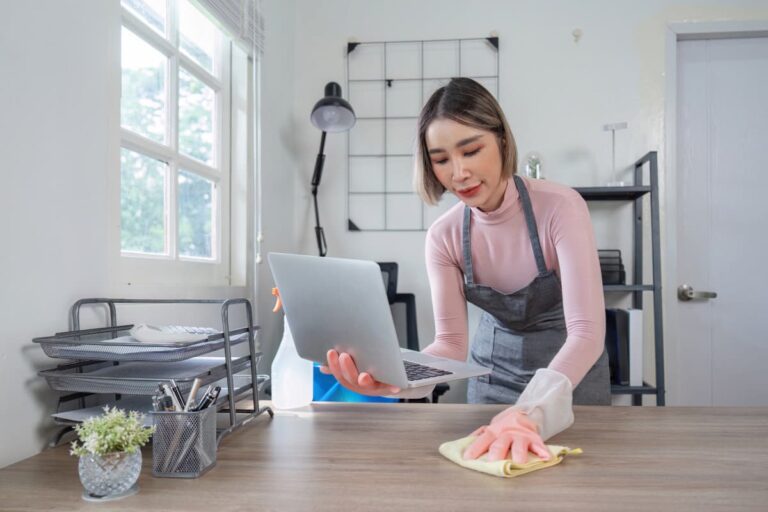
[(384, 456)]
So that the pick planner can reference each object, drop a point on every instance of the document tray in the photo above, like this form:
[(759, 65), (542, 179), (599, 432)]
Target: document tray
[(141, 378), (81, 345)]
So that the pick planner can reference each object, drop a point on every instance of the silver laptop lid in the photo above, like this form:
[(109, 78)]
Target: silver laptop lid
[(340, 304)]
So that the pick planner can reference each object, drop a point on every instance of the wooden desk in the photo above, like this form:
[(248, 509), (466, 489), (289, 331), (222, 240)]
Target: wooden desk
[(359, 457)]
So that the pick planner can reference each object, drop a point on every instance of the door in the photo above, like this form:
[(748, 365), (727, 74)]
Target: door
[(722, 228)]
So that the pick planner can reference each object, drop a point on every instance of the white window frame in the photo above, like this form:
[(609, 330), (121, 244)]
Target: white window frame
[(172, 268)]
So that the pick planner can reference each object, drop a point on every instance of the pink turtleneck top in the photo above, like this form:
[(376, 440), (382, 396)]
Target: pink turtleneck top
[(503, 259)]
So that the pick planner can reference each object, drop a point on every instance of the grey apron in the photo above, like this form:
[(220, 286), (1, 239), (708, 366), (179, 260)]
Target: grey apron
[(522, 331)]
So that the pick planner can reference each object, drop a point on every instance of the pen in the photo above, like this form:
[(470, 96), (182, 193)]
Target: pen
[(204, 402), (170, 394), (192, 393), (215, 395), (207, 392), (179, 396), (209, 398)]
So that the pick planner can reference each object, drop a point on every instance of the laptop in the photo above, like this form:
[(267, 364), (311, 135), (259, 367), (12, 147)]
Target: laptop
[(341, 304)]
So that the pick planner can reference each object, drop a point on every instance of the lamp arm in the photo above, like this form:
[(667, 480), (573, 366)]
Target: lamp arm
[(322, 248), (318, 174)]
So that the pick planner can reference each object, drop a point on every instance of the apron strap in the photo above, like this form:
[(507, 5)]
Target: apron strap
[(469, 277), (530, 220)]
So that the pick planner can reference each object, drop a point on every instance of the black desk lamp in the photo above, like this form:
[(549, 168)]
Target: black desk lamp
[(330, 114)]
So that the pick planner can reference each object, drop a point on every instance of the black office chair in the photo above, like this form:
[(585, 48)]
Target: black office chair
[(389, 275)]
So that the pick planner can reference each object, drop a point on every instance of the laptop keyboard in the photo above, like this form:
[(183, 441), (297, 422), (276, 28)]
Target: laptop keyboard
[(416, 371)]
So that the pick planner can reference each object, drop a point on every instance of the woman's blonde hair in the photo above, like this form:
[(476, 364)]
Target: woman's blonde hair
[(467, 102)]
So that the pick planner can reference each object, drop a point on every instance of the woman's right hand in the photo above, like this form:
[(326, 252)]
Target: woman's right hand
[(343, 367), (511, 432)]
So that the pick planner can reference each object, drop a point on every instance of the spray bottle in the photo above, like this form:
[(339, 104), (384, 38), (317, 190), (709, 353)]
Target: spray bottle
[(291, 375)]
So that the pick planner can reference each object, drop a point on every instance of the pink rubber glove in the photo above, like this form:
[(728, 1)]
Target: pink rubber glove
[(510, 429), (343, 367)]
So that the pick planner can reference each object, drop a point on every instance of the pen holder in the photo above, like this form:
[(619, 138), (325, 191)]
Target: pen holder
[(184, 443)]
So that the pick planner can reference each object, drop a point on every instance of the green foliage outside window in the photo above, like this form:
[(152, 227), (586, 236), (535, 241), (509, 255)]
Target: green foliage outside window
[(142, 203), (142, 196)]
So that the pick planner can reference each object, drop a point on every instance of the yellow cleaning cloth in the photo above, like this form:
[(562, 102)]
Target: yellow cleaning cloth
[(453, 451)]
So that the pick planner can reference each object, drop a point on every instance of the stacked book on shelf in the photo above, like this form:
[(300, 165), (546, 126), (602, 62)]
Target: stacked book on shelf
[(611, 266)]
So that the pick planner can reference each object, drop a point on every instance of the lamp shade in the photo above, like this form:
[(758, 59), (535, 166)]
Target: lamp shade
[(333, 113)]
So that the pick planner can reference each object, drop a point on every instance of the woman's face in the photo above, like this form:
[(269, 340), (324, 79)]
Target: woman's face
[(467, 162)]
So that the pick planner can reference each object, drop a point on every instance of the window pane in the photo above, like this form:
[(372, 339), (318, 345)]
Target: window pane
[(196, 114), (143, 99), (142, 203), (195, 215), (152, 12), (197, 35)]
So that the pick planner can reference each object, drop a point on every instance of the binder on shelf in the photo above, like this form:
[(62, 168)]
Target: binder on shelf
[(617, 344), (624, 343), (635, 347)]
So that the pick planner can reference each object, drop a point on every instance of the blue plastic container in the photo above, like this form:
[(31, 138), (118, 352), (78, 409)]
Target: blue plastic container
[(327, 389)]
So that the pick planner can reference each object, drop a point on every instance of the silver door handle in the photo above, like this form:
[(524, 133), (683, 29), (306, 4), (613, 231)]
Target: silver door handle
[(685, 292)]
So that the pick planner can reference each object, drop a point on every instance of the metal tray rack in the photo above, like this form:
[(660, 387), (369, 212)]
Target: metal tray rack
[(108, 363)]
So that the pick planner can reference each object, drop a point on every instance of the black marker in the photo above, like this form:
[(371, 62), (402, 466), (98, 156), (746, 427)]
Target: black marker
[(176, 391)]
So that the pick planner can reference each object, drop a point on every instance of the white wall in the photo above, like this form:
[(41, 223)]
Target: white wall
[(53, 159), (281, 170), (556, 93), (59, 142)]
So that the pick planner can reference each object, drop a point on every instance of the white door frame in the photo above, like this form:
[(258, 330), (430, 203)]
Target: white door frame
[(683, 32)]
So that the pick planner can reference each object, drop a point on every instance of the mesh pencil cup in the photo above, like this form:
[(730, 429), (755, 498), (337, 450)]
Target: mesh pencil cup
[(184, 443)]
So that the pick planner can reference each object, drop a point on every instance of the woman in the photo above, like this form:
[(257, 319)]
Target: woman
[(523, 251)]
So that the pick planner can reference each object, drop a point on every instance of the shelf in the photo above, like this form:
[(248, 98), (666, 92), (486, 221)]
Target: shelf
[(645, 389), (380, 155), (636, 192), (628, 287), (418, 79), (385, 118), (612, 193), (384, 193)]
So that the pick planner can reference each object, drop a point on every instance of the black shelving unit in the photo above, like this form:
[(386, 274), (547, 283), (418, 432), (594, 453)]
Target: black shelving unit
[(637, 193)]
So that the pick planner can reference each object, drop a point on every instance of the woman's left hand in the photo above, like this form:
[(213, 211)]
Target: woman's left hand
[(343, 367), (510, 430)]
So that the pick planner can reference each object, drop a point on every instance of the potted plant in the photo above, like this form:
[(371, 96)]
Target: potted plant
[(110, 455)]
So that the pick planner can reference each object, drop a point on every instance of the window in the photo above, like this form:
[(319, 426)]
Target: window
[(174, 117)]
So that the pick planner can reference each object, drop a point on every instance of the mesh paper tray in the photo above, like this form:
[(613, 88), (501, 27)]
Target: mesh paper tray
[(141, 378), (126, 348), (143, 403)]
